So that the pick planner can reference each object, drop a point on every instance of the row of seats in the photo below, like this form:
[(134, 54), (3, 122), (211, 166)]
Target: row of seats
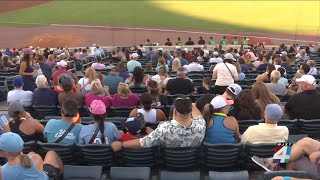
[(218, 157)]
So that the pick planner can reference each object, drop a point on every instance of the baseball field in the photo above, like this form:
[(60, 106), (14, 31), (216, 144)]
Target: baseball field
[(78, 23)]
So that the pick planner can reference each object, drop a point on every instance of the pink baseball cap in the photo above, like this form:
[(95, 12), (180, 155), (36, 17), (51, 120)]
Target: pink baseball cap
[(97, 107)]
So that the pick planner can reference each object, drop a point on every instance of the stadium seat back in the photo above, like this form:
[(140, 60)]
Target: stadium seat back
[(290, 124), (40, 112), (96, 154), (180, 159), (138, 89), (296, 174), (260, 150), (244, 124), (65, 151), (222, 156), (195, 175), (310, 127), (82, 172), (30, 146), (239, 175), (120, 111), (145, 157), (118, 121), (128, 173)]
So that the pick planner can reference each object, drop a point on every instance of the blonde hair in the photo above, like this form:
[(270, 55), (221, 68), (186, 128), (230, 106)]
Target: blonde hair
[(51, 57), (96, 88), (91, 74), (263, 95), (124, 90), (176, 63), (311, 63)]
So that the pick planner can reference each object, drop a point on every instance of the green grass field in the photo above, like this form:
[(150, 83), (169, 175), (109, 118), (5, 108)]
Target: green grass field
[(207, 15)]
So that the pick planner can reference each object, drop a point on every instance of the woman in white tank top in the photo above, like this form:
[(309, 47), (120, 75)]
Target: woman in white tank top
[(151, 115)]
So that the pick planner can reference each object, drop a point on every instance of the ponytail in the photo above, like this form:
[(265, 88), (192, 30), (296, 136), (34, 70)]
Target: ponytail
[(100, 120), (16, 117), (207, 112), (25, 161)]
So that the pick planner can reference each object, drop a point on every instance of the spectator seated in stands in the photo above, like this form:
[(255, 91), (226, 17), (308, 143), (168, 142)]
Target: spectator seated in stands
[(302, 56), (155, 56), (14, 65), (62, 69), (43, 95), (124, 97), (56, 130), (225, 74), (282, 79), (148, 68), (275, 87), (100, 132), (85, 82), (162, 63), (176, 64), (98, 93), (138, 78), (263, 95), (215, 59), (285, 64), (247, 108), (183, 131), (267, 75), (304, 156), (67, 85), (23, 123), (244, 67), (195, 66), (110, 64), (51, 61), (45, 68), (133, 63), (134, 126), (268, 132), (122, 70), (305, 104), (162, 77), (98, 64), (27, 166), (313, 69), (17, 94), (220, 127), (155, 91), (179, 85), (113, 80), (151, 115), (241, 75), (58, 88), (304, 69), (206, 86)]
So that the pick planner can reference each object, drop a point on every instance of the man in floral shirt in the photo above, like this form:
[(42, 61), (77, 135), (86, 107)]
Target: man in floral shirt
[(182, 131)]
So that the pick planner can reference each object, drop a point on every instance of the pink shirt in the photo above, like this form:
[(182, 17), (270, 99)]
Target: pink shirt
[(256, 63), (132, 100), (107, 100), (98, 66)]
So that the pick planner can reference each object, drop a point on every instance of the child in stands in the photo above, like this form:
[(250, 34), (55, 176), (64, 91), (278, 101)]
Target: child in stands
[(206, 86)]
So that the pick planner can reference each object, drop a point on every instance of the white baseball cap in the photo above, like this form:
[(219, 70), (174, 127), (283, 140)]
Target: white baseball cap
[(134, 55), (307, 79), (51, 49), (178, 47), (219, 102), (215, 53), (186, 50), (235, 89), (62, 63), (229, 56)]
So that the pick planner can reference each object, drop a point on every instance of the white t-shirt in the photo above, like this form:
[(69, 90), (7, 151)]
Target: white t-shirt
[(84, 83), (25, 97), (194, 67), (216, 60), (158, 79), (224, 77)]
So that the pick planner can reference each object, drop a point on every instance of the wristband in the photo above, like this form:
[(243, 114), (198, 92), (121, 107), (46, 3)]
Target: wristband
[(286, 177)]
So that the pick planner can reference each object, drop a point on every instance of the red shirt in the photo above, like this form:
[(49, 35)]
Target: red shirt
[(126, 137), (56, 74), (189, 56)]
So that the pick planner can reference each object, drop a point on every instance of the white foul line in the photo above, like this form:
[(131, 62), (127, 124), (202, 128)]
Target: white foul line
[(180, 31)]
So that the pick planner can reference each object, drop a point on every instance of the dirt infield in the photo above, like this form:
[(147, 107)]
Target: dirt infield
[(72, 36), (14, 5)]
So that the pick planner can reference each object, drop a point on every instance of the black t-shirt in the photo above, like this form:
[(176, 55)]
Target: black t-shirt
[(179, 86), (304, 105), (189, 43), (168, 43), (262, 67), (287, 67), (203, 90), (201, 42)]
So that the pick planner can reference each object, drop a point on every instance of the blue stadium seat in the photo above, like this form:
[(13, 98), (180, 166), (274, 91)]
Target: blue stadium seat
[(165, 175), (238, 175), (96, 154), (222, 156), (128, 173), (82, 172)]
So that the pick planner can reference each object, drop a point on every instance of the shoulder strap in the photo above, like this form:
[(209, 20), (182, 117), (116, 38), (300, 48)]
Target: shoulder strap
[(229, 70), (94, 135), (65, 133)]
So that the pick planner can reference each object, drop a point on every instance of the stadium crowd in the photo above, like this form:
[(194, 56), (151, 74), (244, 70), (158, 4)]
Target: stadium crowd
[(45, 78)]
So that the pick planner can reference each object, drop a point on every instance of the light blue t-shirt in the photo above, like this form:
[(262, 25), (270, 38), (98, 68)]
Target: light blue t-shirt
[(19, 172), (132, 64), (111, 133), (56, 128)]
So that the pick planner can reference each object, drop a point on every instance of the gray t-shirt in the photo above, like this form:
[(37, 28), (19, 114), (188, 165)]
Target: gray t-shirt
[(277, 88), (111, 133)]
